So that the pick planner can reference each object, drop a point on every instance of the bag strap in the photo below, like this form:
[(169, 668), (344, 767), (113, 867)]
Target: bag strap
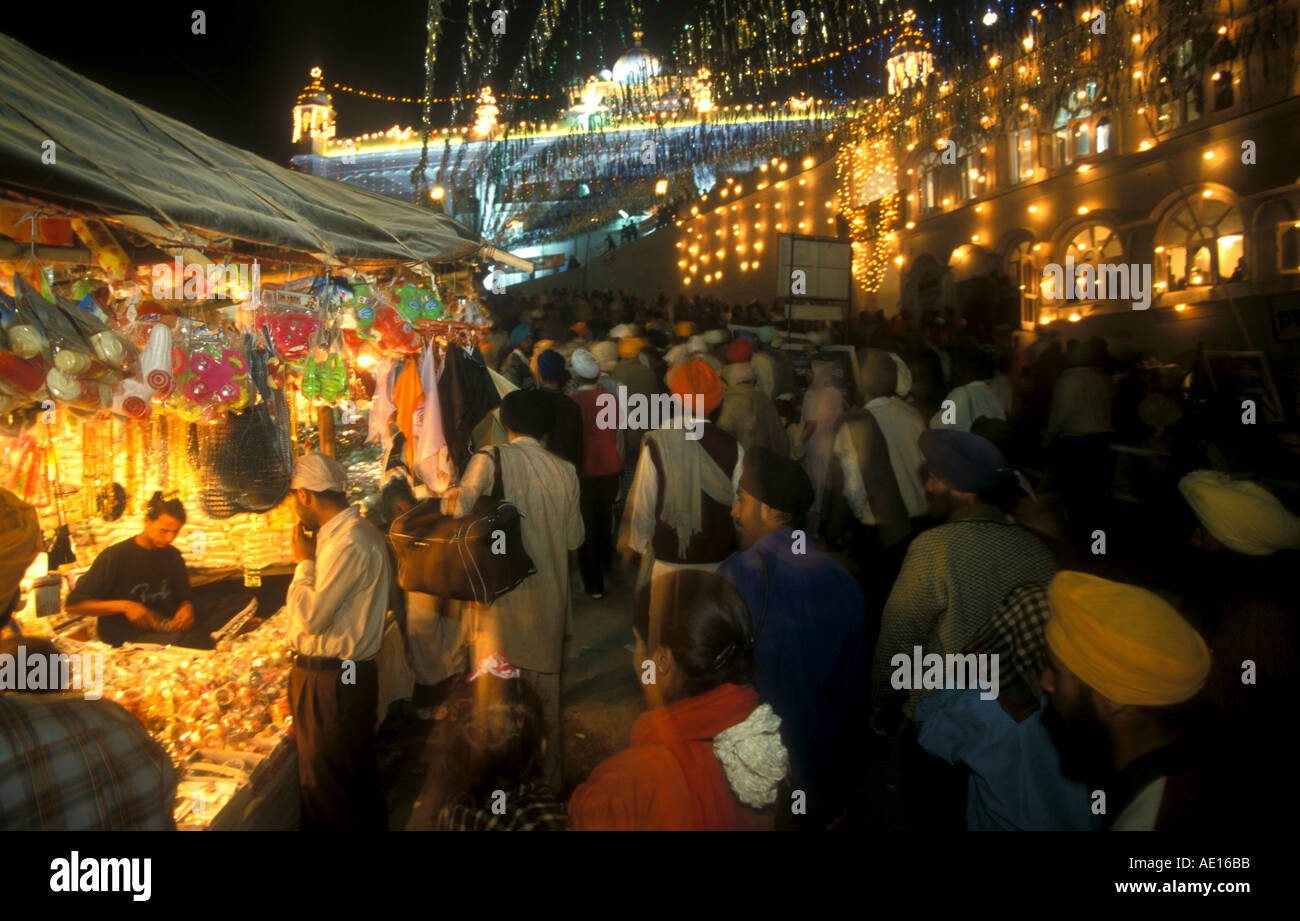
[(766, 591), (498, 486)]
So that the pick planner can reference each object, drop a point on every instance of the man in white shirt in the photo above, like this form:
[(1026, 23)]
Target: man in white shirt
[(902, 427), (527, 625), (971, 400), (336, 604)]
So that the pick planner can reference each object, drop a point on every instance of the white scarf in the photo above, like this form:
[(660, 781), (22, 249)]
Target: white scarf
[(688, 469)]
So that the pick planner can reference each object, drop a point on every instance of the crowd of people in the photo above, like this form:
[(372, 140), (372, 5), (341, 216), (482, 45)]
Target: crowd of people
[(1065, 517)]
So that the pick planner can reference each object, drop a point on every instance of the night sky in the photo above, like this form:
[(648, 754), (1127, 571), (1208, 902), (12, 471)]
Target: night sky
[(239, 81)]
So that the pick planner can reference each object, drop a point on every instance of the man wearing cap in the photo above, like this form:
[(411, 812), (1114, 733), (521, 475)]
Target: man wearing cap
[(517, 367), (337, 603), (527, 625), (564, 439), (810, 631), (599, 473), (956, 575), (1078, 435), (1123, 668), (679, 510)]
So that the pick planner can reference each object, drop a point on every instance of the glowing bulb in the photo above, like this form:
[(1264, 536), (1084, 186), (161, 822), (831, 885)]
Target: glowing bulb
[(1083, 209)]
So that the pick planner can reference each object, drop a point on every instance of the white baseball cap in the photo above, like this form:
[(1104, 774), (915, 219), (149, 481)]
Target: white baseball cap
[(319, 473)]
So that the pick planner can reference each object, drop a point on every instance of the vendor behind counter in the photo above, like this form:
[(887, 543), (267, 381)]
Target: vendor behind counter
[(139, 589)]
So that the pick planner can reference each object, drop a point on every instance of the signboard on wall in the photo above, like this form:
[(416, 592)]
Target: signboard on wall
[(1286, 316), (814, 268)]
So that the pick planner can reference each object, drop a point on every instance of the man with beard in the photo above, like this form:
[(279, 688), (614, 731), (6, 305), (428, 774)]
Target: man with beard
[(810, 633), (1123, 668)]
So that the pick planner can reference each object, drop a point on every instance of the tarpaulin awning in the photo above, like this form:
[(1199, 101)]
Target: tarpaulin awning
[(126, 159)]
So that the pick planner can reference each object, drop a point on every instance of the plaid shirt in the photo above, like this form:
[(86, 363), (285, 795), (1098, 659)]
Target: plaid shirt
[(77, 765), (529, 807), (1016, 634)]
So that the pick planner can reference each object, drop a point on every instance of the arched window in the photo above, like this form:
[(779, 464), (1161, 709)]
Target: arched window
[(1020, 155), (1022, 269), (1199, 243), (1094, 245), (1073, 127), (972, 169), (1288, 246), (1103, 134), (927, 183), (1180, 97)]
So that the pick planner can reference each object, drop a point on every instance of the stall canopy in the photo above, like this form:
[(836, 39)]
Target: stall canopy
[(115, 156)]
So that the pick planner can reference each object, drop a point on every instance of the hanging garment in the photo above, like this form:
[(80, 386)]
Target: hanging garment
[(382, 408), (408, 394), (466, 393), (432, 458)]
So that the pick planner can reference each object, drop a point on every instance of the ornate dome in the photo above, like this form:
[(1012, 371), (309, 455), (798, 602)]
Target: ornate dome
[(637, 65)]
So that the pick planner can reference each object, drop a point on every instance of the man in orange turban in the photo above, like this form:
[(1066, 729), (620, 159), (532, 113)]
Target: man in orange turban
[(1123, 667), (696, 382)]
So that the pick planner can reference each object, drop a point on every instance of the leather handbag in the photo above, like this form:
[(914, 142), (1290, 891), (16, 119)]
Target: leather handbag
[(454, 557)]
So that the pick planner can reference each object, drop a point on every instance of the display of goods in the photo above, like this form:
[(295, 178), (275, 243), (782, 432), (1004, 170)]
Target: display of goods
[(156, 360), (395, 333), (290, 333), (133, 399)]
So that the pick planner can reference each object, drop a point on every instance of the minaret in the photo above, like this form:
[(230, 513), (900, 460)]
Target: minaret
[(313, 116)]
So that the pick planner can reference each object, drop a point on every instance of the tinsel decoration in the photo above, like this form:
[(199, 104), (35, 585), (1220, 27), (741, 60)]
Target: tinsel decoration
[(478, 44), (538, 40), (433, 25)]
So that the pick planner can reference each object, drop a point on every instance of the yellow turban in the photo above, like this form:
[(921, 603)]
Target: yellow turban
[(1242, 516), (630, 346), (1124, 642), (684, 329), (20, 542)]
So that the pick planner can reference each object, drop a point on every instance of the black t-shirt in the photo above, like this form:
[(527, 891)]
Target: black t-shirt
[(127, 571)]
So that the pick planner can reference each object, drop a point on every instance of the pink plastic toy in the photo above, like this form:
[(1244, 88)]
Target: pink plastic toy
[(216, 380)]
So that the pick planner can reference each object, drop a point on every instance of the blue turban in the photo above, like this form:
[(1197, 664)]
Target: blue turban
[(550, 366), (963, 461), (520, 333)]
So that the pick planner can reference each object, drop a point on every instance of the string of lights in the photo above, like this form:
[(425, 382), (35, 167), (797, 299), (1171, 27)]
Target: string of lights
[(383, 97)]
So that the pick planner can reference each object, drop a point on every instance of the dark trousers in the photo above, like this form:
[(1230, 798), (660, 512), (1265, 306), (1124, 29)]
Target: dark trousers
[(334, 724), (934, 791), (596, 497), (1084, 466)]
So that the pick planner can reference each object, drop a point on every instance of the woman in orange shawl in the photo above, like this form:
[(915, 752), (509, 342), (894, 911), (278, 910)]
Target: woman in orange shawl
[(708, 755)]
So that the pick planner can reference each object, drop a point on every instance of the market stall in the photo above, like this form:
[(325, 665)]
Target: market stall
[(180, 316)]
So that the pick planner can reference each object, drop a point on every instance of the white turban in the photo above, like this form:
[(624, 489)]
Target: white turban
[(585, 364), (738, 373), (717, 336), (606, 353), (904, 386)]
